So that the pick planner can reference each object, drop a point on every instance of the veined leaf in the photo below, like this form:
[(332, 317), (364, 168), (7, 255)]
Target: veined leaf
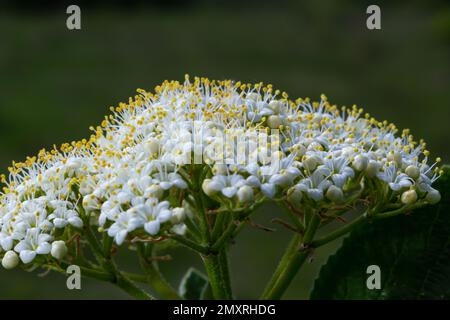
[(412, 251)]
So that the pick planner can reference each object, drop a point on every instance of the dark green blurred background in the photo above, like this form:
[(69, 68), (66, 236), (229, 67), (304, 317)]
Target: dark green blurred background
[(55, 83)]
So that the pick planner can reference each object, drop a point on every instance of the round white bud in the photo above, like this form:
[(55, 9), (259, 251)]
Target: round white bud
[(335, 194), (10, 260), (207, 189), (152, 146), (395, 156), (245, 194), (275, 106), (90, 202), (294, 195), (86, 187), (413, 172), (372, 168), (178, 215), (299, 150), (274, 122), (310, 163), (360, 162), (155, 191), (409, 197), (433, 196), (59, 249)]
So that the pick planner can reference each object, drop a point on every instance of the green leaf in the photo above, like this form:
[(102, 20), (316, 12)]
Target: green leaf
[(194, 285), (412, 251)]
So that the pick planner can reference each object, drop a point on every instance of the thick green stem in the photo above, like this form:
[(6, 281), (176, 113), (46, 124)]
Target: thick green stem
[(226, 236), (295, 255), (220, 283), (224, 266)]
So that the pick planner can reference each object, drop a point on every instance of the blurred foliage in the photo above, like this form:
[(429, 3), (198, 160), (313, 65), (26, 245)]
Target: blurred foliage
[(55, 83)]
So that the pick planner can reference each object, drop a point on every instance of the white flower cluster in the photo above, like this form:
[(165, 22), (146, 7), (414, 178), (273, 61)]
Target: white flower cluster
[(130, 178)]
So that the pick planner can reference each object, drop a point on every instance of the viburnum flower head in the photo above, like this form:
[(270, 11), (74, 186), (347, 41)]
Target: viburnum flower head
[(247, 143)]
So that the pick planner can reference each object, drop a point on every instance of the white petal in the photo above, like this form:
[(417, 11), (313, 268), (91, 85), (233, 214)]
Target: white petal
[(315, 194), (59, 223), (76, 222), (268, 190), (152, 227), (6, 243), (229, 191), (21, 246), (164, 216), (166, 185), (27, 256), (253, 181), (120, 237), (180, 183), (44, 248)]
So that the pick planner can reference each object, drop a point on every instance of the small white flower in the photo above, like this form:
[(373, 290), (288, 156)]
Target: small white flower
[(227, 185), (121, 227), (34, 243)]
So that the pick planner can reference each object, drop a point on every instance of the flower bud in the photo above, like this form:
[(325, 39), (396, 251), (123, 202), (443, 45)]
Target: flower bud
[(412, 171), (335, 194), (360, 162), (59, 249), (207, 189), (152, 146), (86, 187), (245, 194), (409, 197), (91, 202), (274, 122), (310, 163), (372, 168), (294, 195), (155, 191), (395, 156), (179, 229), (298, 150), (433, 196), (178, 215), (275, 106), (10, 260)]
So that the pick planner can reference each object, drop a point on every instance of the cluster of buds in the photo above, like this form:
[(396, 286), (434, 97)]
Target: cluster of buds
[(133, 177)]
